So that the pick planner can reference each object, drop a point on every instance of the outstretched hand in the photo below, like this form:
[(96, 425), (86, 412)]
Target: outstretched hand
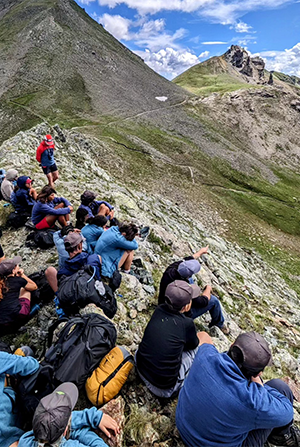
[(108, 423), (201, 252)]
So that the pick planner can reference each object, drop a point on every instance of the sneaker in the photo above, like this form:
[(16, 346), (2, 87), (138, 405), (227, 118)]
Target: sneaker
[(225, 329), (291, 439)]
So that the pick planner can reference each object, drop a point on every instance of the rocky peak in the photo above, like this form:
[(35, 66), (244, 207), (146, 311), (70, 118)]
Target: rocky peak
[(253, 67)]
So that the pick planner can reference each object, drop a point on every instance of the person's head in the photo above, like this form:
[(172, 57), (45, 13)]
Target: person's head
[(73, 243), (47, 194), (128, 230), (52, 416), (87, 197), (188, 268), (12, 175), (179, 295), (48, 140), (251, 353), (24, 182), (7, 267), (99, 221), (81, 215)]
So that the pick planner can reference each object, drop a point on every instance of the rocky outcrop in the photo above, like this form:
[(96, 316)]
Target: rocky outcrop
[(251, 67), (253, 295)]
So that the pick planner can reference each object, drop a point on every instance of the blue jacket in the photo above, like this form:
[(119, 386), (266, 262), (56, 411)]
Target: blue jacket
[(81, 435), (93, 208), (21, 199), (63, 255), (41, 210), (111, 246), (91, 234), (73, 265), (47, 157), (218, 405), (9, 417)]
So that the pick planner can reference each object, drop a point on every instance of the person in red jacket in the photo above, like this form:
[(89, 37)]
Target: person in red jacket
[(45, 156)]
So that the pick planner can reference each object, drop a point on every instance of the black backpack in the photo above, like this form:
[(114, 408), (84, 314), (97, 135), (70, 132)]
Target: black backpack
[(16, 220), (78, 290), (41, 238), (44, 293), (81, 345)]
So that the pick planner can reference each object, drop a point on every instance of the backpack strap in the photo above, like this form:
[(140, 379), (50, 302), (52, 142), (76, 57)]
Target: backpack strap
[(52, 328)]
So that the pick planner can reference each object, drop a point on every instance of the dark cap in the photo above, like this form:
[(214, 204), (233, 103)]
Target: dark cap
[(256, 352), (52, 414), (87, 197), (7, 266), (180, 293), (72, 240), (188, 268)]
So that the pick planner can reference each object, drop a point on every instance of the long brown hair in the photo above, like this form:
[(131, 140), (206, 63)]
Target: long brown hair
[(45, 193), (3, 287)]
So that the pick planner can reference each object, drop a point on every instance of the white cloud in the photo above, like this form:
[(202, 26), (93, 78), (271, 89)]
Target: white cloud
[(170, 62), (221, 11), (241, 27), (287, 61), (117, 25), (214, 43)]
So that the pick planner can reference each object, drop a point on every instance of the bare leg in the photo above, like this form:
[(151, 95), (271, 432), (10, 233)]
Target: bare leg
[(54, 176), (50, 180), (15, 444), (103, 210), (51, 275), (126, 260), (63, 220), (25, 294)]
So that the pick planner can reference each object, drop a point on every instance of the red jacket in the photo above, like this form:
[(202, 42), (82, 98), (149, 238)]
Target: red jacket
[(42, 148)]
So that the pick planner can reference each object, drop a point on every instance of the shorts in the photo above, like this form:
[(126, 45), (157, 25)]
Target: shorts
[(25, 307), (48, 169), (43, 225)]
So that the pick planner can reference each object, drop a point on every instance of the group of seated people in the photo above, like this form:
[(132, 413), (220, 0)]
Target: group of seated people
[(222, 397)]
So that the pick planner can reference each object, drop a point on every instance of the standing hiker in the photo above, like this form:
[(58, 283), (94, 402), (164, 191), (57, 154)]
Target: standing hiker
[(45, 156)]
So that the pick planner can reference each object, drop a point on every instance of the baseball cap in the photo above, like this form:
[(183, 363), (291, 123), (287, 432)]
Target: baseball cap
[(256, 352), (180, 293), (52, 414), (72, 240), (49, 140), (7, 265), (188, 268), (87, 197), (29, 180)]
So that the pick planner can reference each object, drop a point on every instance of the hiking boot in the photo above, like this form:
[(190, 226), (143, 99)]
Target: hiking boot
[(291, 439), (225, 329)]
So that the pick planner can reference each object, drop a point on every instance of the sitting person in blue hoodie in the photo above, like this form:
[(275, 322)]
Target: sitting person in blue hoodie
[(93, 230), (56, 424), (49, 209), (10, 423), (96, 207), (116, 247), (77, 259), (24, 198)]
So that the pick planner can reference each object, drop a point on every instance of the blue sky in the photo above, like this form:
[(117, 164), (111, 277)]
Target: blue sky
[(173, 35)]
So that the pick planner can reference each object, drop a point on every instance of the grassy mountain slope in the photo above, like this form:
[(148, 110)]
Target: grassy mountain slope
[(59, 64)]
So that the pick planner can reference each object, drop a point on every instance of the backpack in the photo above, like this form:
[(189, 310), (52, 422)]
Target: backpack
[(108, 379), (81, 344), (80, 289), (16, 220), (2, 177), (44, 293), (41, 238)]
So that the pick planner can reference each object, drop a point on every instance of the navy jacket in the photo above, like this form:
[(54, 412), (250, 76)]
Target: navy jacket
[(41, 210), (21, 199)]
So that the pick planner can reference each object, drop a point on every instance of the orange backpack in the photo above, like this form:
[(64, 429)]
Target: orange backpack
[(108, 379)]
